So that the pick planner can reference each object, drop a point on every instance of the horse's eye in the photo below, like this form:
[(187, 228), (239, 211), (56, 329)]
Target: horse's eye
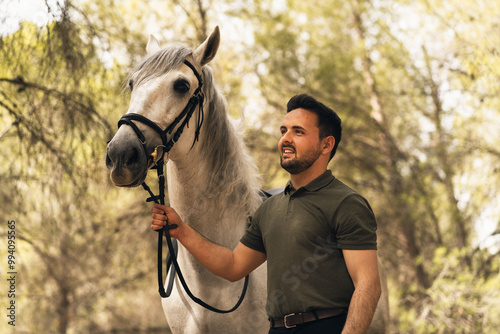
[(181, 86), (130, 84)]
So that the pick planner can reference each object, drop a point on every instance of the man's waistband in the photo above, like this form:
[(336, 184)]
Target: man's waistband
[(294, 319)]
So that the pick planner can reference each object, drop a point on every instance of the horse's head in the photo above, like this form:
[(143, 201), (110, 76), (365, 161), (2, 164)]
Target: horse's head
[(162, 88)]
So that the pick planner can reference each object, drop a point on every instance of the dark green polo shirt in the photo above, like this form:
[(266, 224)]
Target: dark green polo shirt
[(303, 233)]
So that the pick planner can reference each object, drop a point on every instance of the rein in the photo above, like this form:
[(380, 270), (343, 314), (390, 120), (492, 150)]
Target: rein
[(183, 120)]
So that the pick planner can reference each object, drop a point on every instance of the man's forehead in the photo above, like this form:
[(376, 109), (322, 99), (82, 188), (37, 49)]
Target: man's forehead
[(300, 117)]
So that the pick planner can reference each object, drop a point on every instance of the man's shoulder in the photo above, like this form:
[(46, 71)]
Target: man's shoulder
[(341, 188), (339, 194)]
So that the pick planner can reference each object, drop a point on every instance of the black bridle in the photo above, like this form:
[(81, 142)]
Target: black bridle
[(182, 120), (187, 112)]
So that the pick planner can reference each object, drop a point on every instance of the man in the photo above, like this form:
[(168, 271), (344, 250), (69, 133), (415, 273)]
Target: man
[(318, 236)]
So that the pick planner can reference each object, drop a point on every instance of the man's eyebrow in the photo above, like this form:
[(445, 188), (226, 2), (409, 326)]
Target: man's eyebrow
[(296, 127)]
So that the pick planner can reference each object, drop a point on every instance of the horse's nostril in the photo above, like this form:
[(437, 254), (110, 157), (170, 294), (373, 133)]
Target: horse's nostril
[(109, 162), (134, 157)]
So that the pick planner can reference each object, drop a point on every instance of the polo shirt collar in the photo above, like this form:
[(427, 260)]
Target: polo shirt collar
[(316, 184)]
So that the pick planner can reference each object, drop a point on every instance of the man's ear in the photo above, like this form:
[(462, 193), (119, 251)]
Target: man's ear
[(327, 144)]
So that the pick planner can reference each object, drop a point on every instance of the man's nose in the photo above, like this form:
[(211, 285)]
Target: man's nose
[(286, 138)]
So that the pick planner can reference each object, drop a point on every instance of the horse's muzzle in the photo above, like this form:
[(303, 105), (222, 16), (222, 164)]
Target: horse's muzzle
[(127, 162)]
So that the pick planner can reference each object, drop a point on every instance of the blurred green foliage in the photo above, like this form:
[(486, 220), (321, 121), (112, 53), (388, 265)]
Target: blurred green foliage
[(415, 82)]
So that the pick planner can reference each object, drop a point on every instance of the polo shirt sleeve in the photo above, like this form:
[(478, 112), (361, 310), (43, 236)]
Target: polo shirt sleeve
[(253, 237), (355, 224)]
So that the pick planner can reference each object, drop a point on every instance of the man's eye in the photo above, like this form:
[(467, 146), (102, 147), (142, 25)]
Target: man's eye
[(181, 86)]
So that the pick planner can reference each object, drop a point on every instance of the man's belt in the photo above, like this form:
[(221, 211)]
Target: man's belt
[(294, 319)]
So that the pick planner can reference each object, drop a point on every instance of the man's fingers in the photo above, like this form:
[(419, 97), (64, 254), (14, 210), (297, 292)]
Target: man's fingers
[(160, 217), (156, 228), (160, 208), (156, 209), (156, 225), (159, 223)]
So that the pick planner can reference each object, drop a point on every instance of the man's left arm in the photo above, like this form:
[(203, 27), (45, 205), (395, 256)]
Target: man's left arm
[(363, 269)]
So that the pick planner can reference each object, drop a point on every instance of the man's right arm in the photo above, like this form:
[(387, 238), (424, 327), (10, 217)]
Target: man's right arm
[(232, 265)]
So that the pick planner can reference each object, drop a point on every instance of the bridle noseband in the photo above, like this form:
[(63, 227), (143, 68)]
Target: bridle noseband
[(182, 120)]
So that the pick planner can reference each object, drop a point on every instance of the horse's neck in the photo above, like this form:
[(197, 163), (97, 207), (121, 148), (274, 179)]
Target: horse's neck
[(214, 215)]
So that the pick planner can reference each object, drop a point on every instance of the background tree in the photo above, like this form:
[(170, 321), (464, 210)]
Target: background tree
[(416, 84), (78, 250)]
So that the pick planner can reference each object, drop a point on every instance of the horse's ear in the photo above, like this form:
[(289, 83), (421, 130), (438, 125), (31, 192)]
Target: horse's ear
[(153, 45), (207, 51)]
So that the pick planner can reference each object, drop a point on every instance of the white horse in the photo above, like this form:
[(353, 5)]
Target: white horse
[(212, 182)]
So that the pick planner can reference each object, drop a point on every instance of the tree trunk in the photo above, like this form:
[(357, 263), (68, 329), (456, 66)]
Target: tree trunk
[(391, 155)]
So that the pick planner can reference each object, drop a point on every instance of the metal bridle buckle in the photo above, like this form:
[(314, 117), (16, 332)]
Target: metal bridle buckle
[(285, 321)]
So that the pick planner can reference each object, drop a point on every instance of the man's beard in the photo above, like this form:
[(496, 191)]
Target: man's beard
[(297, 166)]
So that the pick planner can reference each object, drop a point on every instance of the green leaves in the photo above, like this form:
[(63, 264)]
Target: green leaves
[(415, 82)]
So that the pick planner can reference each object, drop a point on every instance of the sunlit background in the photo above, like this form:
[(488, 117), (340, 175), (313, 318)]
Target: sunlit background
[(416, 84)]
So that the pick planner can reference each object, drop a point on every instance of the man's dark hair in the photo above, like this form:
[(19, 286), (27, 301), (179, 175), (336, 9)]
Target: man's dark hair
[(329, 122)]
